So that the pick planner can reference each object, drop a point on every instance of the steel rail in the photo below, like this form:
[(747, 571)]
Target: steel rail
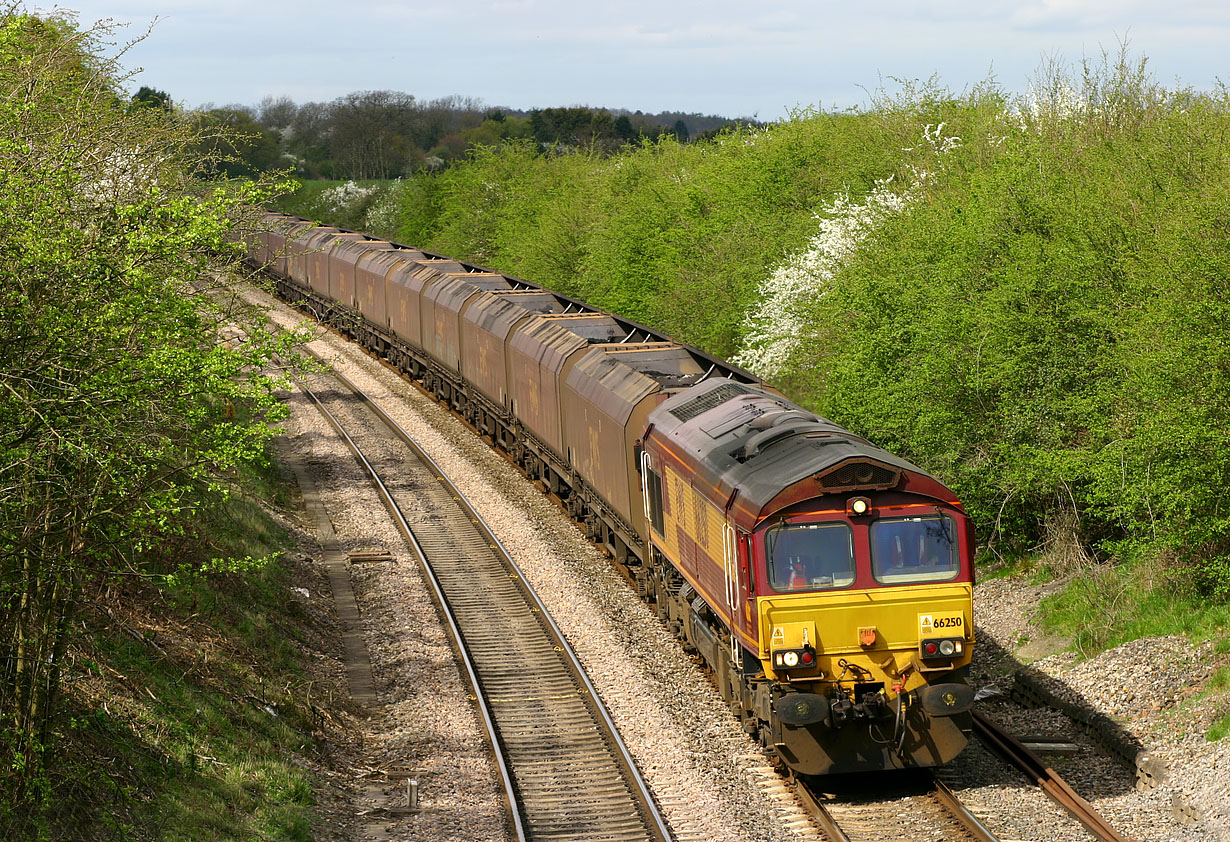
[(939, 792), (832, 831), (953, 805), (657, 824), (1009, 748), (484, 707)]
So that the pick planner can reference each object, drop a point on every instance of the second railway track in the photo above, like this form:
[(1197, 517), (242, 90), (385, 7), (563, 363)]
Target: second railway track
[(567, 771), (925, 809)]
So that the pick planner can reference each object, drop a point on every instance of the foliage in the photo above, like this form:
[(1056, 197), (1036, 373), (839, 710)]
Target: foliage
[(596, 128), (674, 235), (377, 135), (373, 134), (235, 144), (374, 207), (130, 381), (147, 97), (193, 700)]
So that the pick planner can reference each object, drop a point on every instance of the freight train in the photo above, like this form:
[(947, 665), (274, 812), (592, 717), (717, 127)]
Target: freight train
[(825, 582)]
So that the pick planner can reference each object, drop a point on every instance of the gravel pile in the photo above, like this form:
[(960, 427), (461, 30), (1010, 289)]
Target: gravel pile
[(1149, 691)]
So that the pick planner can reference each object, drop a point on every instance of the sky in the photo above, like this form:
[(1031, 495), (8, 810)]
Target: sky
[(754, 58)]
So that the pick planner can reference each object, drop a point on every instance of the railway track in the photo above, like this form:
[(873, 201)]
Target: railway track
[(1011, 750), (926, 808), (923, 809), (566, 773)]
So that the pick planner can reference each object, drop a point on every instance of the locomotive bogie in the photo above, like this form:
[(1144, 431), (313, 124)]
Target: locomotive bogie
[(867, 740)]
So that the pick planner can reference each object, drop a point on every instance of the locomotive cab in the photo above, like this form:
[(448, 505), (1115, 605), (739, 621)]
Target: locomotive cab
[(865, 628), (827, 582)]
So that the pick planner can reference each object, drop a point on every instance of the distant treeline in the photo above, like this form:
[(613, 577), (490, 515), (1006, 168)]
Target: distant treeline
[(389, 134)]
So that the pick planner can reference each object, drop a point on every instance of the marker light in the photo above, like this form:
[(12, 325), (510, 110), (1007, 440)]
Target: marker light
[(791, 659), (858, 505), (942, 647)]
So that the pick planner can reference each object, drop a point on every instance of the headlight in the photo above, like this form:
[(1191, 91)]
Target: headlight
[(785, 659), (949, 647)]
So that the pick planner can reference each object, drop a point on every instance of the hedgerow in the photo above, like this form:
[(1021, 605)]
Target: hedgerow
[(1046, 327)]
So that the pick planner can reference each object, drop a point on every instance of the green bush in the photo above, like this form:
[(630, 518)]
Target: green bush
[(1045, 327)]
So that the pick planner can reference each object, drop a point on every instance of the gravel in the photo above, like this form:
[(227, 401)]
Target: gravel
[(1148, 690), (425, 727)]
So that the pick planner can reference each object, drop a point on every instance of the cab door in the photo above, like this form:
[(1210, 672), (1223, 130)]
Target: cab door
[(740, 589)]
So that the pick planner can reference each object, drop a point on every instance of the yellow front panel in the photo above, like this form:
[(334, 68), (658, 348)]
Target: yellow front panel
[(890, 620), (894, 612)]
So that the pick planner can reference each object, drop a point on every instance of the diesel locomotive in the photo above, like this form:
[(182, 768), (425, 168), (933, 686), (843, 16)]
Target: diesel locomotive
[(826, 583)]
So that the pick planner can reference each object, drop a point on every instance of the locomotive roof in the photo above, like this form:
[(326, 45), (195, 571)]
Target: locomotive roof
[(740, 439)]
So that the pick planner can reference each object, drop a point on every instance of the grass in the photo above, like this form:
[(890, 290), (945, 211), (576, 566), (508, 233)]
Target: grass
[(1219, 683), (995, 566), (188, 716), (1103, 606)]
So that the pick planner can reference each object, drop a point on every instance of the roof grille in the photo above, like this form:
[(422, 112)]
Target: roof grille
[(690, 409), (858, 475)]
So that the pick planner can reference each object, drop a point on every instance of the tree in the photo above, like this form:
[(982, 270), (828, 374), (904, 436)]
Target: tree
[(122, 409), (277, 113), (308, 139), (368, 136), (623, 128), (573, 126), (236, 143), (147, 97)]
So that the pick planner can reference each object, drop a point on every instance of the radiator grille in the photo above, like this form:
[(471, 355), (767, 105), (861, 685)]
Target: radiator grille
[(855, 475), (690, 409)]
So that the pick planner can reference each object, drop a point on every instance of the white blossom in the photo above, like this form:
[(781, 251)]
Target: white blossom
[(382, 216), (340, 198), (777, 329)]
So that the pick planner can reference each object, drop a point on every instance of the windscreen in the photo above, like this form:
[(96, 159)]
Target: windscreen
[(914, 549), (810, 556)]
